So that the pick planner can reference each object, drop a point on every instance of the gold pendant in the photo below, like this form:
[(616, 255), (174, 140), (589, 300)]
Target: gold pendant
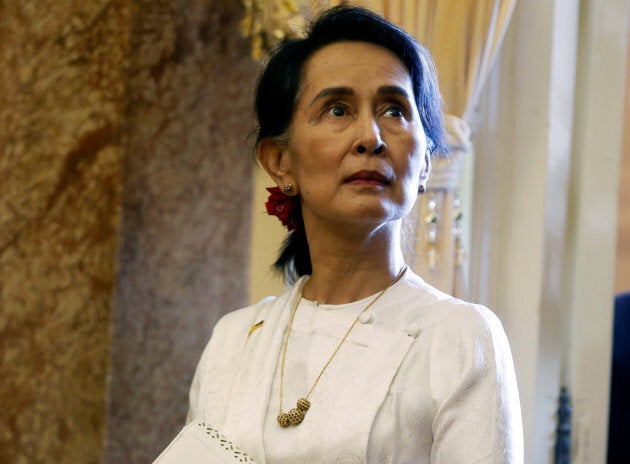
[(283, 419), (296, 415)]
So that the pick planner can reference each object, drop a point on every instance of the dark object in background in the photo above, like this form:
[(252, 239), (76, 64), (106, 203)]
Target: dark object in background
[(619, 419)]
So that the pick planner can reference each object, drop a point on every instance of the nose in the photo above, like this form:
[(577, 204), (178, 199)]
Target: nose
[(368, 138)]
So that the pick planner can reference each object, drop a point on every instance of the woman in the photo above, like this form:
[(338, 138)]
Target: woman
[(360, 360)]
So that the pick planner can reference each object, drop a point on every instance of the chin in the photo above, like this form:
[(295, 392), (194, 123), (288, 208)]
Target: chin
[(380, 215)]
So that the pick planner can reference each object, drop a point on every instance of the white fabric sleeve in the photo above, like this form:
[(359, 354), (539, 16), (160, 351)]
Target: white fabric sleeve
[(194, 409), (473, 384), (218, 347)]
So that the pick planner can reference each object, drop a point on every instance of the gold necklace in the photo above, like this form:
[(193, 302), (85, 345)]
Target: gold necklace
[(296, 415)]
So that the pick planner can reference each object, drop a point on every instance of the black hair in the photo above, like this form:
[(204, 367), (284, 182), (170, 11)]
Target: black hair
[(281, 80)]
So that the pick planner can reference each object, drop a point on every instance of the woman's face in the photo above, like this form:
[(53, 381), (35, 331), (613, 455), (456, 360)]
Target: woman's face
[(357, 149)]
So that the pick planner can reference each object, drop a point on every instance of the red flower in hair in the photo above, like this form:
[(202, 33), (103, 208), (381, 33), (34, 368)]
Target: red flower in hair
[(283, 207)]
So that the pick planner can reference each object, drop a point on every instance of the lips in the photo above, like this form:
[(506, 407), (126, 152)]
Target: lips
[(367, 177)]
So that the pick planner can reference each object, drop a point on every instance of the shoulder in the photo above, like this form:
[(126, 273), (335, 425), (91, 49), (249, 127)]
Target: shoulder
[(464, 343), (244, 315), (241, 320), (434, 310)]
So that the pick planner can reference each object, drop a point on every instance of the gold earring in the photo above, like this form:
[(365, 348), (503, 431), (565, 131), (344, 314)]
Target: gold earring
[(287, 188)]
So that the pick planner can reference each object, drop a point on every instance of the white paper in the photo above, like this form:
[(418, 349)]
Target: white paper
[(200, 444)]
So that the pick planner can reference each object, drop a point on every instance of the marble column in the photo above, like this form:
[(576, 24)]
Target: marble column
[(63, 68), (125, 177), (185, 227)]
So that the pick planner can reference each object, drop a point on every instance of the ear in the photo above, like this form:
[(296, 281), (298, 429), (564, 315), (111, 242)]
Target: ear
[(274, 158), (426, 169)]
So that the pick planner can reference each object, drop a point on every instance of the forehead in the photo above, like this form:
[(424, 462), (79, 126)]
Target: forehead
[(354, 64)]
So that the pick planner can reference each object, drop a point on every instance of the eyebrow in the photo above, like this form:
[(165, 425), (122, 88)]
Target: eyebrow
[(336, 91), (348, 91), (393, 90)]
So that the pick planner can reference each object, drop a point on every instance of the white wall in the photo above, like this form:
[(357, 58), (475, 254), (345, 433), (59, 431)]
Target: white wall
[(545, 209), (594, 180)]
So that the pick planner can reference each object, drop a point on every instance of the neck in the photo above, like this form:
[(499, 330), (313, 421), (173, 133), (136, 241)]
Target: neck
[(349, 265)]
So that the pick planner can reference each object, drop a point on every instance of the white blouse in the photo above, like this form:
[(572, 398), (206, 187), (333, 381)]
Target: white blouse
[(423, 378)]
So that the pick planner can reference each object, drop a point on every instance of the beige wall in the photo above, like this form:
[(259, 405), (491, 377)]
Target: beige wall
[(125, 183), (622, 279)]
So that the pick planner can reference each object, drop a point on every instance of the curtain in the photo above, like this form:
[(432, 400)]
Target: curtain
[(464, 37)]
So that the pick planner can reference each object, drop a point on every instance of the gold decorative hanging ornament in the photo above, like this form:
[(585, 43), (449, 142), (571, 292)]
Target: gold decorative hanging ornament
[(431, 232), (296, 415), (269, 22)]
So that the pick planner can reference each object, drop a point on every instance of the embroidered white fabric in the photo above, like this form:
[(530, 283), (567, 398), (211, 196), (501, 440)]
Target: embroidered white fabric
[(425, 379)]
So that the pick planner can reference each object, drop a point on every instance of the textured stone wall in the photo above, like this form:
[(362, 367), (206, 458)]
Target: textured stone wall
[(185, 229), (62, 99), (115, 109)]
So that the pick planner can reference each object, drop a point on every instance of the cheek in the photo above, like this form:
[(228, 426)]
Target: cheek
[(317, 154), (413, 159), (411, 181)]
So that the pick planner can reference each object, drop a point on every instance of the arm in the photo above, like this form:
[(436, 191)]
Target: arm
[(472, 379), (217, 360)]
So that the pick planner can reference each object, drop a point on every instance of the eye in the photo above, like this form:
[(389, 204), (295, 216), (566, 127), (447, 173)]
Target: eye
[(337, 110), (395, 111)]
